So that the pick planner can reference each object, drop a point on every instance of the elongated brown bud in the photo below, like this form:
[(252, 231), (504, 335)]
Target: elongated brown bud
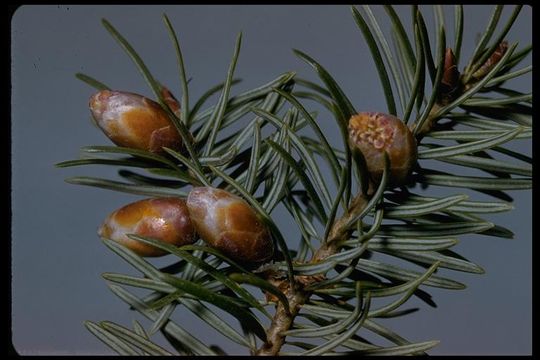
[(228, 223), (491, 61), (450, 80), (134, 121), (165, 219), (373, 133), (451, 73)]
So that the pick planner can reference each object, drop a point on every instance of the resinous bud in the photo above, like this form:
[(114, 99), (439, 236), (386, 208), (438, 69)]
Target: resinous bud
[(229, 224), (373, 134), (165, 219), (132, 120)]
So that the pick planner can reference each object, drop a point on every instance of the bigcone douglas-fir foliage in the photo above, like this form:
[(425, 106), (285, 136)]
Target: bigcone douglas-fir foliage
[(313, 299)]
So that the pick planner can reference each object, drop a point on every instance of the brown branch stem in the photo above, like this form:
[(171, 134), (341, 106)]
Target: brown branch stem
[(297, 297)]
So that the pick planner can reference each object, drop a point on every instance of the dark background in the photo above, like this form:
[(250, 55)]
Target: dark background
[(57, 258)]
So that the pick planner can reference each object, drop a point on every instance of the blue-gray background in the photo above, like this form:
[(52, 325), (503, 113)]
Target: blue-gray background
[(57, 258)]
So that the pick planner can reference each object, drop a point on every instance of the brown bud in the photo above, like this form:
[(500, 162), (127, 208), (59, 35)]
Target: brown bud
[(165, 219), (373, 133), (229, 224), (131, 120), (451, 73), (450, 80), (491, 61)]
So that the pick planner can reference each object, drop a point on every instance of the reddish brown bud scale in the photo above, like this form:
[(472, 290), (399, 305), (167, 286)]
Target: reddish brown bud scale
[(134, 121), (165, 219), (229, 224), (451, 73), (375, 133), (170, 100), (491, 61), (450, 81)]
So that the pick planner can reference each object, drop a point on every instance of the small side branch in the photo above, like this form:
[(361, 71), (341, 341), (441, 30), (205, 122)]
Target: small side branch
[(283, 320)]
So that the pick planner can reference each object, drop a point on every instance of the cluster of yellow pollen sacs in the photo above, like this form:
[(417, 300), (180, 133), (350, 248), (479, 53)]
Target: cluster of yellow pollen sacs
[(376, 131)]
